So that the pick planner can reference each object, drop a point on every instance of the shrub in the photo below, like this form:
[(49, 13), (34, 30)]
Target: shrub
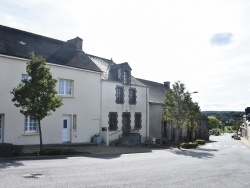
[(10, 150), (57, 151), (200, 142), (189, 145), (236, 138)]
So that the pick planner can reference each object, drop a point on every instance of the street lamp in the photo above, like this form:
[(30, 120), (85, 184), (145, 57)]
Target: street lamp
[(194, 92)]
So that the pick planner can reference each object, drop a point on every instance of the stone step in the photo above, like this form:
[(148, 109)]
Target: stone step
[(132, 139)]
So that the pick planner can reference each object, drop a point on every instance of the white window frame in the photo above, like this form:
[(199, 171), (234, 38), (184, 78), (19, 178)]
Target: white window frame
[(65, 87), (125, 77), (30, 125)]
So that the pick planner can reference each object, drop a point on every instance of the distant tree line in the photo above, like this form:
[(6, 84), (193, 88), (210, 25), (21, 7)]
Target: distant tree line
[(226, 118)]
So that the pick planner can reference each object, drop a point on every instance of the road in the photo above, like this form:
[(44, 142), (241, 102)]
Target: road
[(223, 162)]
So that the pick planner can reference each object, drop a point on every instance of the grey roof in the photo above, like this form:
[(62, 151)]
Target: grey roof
[(107, 65), (17, 43), (156, 91)]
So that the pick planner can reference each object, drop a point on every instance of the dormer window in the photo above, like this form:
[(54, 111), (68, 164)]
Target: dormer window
[(123, 72)]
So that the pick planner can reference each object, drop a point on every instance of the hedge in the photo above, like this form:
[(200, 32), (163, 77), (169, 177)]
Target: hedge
[(10, 150), (236, 138), (200, 142), (189, 145)]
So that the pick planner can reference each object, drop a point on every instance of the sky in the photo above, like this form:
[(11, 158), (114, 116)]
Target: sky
[(205, 44)]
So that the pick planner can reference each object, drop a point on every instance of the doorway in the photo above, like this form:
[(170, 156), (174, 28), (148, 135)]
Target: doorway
[(66, 128), (126, 123)]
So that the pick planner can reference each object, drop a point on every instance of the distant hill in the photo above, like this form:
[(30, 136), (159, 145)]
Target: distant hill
[(228, 118)]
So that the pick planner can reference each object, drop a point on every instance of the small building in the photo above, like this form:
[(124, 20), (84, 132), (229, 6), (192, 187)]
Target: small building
[(157, 128), (202, 131)]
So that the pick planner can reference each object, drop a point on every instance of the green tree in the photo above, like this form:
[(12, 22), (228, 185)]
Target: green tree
[(193, 115), (37, 96), (213, 122), (237, 124), (176, 106)]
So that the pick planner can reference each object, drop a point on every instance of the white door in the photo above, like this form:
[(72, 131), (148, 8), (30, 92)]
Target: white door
[(1, 128), (66, 129)]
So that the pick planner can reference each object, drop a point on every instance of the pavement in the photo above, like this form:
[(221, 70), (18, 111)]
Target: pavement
[(101, 149), (245, 141), (94, 149)]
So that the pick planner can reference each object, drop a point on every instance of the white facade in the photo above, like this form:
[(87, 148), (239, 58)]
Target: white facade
[(109, 105), (80, 112)]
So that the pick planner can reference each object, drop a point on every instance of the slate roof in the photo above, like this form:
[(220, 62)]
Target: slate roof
[(156, 91), (17, 43), (108, 64)]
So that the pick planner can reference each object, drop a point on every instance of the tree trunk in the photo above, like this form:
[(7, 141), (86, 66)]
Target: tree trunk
[(178, 141), (40, 134), (191, 136)]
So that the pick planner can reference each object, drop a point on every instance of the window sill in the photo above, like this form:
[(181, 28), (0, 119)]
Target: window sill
[(66, 96), (30, 134)]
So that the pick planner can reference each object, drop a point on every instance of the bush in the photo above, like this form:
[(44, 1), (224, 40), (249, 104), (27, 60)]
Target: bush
[(57, 151), (200, 142), (189, 145), (10, 150), (236, 138)]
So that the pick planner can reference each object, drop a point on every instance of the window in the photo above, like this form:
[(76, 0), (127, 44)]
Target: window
[(65, 87), (25, 77), (30, 124), (125, 77), (138, 120), (119, 95), (113, 121), (132, 96)]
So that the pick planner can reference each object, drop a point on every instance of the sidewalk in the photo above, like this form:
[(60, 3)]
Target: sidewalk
[(245, 141), (94, 149)]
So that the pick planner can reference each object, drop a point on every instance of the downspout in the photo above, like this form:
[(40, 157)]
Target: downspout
[(147, 111)]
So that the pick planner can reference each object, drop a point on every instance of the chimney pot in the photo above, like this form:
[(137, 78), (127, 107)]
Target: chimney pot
[(167, 84), (77, 42)]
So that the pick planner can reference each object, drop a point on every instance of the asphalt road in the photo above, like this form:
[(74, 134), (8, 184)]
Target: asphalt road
[(223, 162)]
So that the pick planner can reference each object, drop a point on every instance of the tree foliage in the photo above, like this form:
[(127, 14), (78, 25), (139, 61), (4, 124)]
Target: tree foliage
[(213, 122), (36, 96), (180, 110), (192, 118), (228, 118)]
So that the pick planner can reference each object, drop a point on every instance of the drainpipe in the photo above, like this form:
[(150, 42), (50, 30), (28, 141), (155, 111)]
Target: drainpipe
[(147, 111), (107, 142)]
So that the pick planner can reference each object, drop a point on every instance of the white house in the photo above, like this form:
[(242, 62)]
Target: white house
[(124, 101), (79, 84)]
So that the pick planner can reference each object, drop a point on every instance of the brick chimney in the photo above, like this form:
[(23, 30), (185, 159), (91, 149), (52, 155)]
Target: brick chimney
[(77, 42), (167, 85)]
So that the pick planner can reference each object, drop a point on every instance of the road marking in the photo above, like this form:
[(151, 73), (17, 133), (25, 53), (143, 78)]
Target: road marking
[(234, 146), (209, 145), (217, 145), (226, 145), (243, 147)]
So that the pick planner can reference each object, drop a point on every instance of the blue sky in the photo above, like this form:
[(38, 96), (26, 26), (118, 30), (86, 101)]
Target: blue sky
[(203, 43)]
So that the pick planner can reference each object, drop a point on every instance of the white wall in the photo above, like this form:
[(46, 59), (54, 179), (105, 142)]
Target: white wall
[(85, 103)]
